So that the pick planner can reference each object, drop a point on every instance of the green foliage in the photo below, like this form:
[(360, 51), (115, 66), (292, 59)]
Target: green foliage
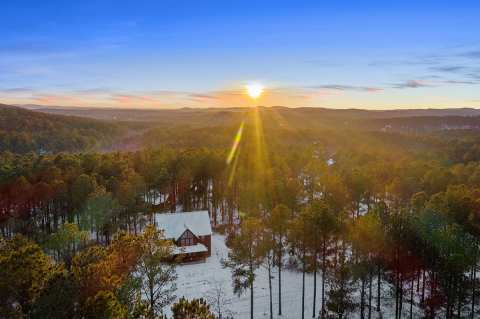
[(395, 208), (340, 302), (58, 298), (246, 254), (66, 241), (155, 270), (23, 131), (104, 305), (24, 272), (193, 309), (98, 211)]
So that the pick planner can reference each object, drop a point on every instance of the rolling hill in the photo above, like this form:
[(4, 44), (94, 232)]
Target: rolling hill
[(23, 131)]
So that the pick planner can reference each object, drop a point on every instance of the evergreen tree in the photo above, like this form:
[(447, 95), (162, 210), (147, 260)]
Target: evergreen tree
[(156, 270), (340, 302), (245, 257), (193, 309)]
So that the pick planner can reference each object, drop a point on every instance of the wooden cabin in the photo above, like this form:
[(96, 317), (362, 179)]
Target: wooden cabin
[(190, 231)]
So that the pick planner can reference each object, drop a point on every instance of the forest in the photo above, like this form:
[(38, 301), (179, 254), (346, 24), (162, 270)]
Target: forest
[(386, 220)]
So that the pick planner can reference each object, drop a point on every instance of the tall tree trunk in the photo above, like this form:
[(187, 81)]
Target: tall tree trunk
[(459, 296), (432, 292), (270, 288), (152, 300), (400, 307), (379, 286), (422, 299), (280, 261), (370, 295), (251, 292), (251, 300), (418, 280), (173, 198), (449, 298), (411, 298), (362, 299), (314, 286), (474, 275), (324, 257), (396, 295), (303, 287)]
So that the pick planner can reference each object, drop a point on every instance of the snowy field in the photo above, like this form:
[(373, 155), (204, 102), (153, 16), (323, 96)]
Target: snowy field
[(197, 280)]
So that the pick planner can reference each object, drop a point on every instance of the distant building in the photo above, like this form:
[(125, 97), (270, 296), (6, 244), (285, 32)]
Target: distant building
[(190, 231)]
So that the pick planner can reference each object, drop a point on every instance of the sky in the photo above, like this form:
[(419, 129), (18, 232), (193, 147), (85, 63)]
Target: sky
[(178, 53)]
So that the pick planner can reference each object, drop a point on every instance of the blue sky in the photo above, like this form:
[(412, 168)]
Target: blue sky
[(367, 54)]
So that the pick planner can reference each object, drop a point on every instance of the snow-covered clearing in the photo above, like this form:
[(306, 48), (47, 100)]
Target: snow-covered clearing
[(197, 280)]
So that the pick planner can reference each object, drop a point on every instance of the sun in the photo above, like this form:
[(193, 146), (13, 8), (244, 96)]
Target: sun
[(254, 90)]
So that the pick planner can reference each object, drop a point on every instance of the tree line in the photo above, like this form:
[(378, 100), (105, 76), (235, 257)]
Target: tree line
[(380, 228)]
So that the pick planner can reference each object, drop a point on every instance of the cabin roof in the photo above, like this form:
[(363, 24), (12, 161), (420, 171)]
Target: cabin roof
[(174, 225), (198, 248)]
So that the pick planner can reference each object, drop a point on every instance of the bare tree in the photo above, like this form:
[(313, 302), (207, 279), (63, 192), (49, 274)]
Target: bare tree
[(219, 301)]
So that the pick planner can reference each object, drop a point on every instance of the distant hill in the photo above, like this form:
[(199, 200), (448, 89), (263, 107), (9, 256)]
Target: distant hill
[(73, 128), (420, 124), (22, 131), (188, 114)]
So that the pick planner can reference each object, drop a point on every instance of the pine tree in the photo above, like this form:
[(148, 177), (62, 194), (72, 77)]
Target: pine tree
[(321, 226), (300, 241), (194, 309), (278, 223), (245, 257), (156, 270), (340, 301)]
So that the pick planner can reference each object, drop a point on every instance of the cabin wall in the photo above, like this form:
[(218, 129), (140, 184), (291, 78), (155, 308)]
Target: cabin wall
[(190, 239), (207, 241)]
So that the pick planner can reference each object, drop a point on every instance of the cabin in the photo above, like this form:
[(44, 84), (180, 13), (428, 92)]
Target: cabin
[(190, 231)]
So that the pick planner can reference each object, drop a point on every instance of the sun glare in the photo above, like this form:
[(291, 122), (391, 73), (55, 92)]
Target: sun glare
[(254, 90)]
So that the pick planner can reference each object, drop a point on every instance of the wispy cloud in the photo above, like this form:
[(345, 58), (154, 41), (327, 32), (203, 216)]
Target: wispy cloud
[(200, 96), (414, 61), (449, 68), (56, 99), (474, 54), (135, 99), (16, 90), (459, 82), (94, 91), (341, 87), (412, 84)]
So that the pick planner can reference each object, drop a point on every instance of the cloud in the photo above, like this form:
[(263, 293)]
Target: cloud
[(449, 68), (94, 91), (340, 87), (431, 60), (475, 54), (459, 82), (17, 90), (475, 74), (200, 96), (54, 99), (136, 100), (21, 47), (411, 84)]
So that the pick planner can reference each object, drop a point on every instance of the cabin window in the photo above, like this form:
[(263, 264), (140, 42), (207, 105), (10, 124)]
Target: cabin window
[(187, 239)]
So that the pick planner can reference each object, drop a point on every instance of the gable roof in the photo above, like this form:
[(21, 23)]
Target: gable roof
[(174, 225), (187, 231)]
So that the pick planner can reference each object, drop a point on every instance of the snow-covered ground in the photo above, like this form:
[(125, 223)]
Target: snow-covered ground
[(197, 280)]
